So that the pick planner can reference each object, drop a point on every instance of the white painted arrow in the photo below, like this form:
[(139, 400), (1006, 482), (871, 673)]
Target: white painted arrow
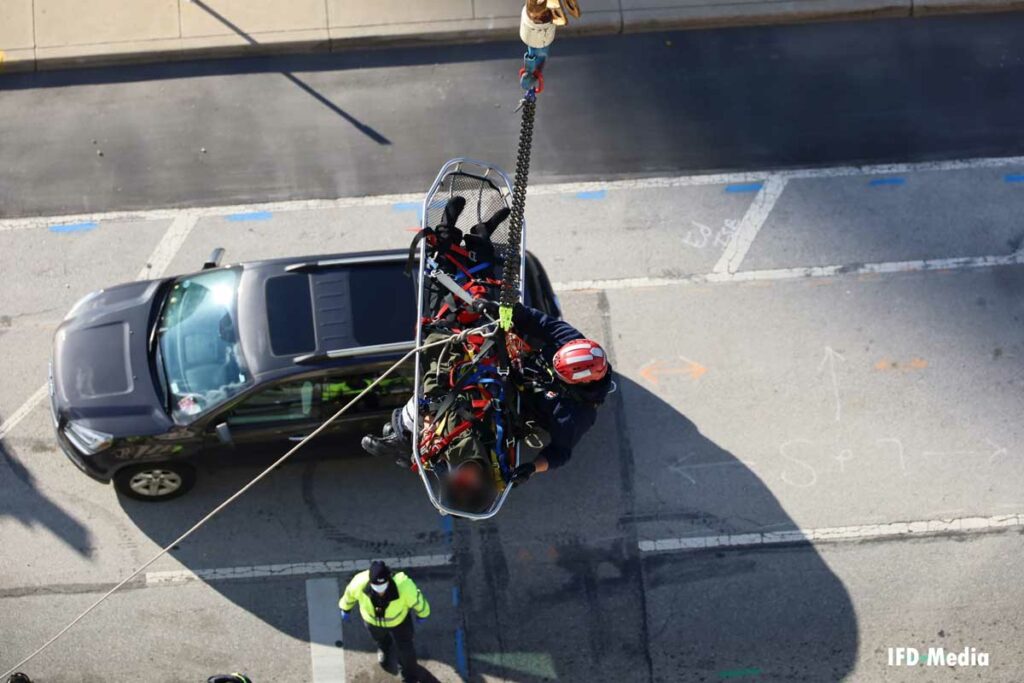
[(830, 361)]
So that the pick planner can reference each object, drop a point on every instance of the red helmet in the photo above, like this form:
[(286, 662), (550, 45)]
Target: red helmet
[(580, 361)]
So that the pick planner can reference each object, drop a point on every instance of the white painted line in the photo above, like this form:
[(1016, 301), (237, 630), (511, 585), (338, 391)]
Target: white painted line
[(727, 463), (803, 273), (203, 211), (25, 408), (158, 262), (168, 247), (326, 657), (534, 190), (290, 569), (753, 220), (962, 525)]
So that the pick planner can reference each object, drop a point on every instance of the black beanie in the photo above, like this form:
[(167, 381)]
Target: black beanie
[(379, 572)]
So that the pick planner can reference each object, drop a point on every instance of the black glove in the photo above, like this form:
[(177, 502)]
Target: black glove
[(446, 232), (478, 241), (518, 313), (522, 474), (486, 306)]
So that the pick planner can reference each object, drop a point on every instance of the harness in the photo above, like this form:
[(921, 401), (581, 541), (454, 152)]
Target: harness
[(476, 399)]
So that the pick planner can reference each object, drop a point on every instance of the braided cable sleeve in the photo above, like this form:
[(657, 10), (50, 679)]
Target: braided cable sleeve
[(510, 276)]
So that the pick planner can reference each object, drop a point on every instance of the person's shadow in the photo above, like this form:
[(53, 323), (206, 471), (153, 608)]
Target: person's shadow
[(566, 582), (24, 501)]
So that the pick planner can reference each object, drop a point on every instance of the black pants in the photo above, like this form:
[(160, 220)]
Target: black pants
[(401, 637)]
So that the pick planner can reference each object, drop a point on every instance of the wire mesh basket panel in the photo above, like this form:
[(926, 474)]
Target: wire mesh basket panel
[(485, 191)]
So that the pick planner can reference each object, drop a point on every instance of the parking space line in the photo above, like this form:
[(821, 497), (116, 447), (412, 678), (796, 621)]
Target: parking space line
[(884, 182), (535, 190), (290, 569), (18, 415), (743, 187), (861, 532), (168, 246), (801, 273), (250, 216), (752, 222), (326, 642), (74, 227), (158, 261)]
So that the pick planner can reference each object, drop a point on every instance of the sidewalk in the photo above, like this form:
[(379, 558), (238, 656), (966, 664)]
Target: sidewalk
[(51, 34)]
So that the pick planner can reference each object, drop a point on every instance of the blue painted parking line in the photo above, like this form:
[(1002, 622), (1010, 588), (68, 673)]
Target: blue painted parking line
[(74, 227), (411, 207), (250, 216), (1014, 178), (460, 653), (593, 194), (744, 187), (881, 182)]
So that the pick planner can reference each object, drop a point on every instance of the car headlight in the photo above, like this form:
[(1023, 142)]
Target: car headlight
[(88, 441)]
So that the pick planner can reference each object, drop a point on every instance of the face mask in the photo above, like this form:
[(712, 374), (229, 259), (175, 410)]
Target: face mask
[(379, 589)]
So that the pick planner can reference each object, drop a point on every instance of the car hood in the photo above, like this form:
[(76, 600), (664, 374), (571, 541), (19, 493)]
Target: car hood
[(101, 370)]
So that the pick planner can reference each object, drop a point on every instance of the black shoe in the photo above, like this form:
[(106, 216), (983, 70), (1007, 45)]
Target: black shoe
[(390, 445), (384, 658)]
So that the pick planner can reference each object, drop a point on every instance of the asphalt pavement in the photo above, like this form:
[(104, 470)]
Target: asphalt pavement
[(377, 122), (822, 354)]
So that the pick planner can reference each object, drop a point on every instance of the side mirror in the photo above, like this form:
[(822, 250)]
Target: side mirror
[(215, 256), (224, 434)]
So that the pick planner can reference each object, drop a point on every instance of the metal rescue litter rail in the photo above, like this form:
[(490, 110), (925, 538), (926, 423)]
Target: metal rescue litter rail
[(445, 178), (484, 329)]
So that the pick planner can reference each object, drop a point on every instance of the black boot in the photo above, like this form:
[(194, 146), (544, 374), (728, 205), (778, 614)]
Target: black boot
[(393, 446), (384, 657)]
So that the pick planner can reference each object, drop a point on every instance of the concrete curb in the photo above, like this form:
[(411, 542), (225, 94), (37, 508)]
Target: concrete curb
[(632, 18), (926, 8), (724, 14)]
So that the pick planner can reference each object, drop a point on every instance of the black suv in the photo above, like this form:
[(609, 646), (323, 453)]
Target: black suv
[(149, 376)]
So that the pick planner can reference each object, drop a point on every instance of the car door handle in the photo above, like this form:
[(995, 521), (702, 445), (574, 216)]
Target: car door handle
[(298, 438)]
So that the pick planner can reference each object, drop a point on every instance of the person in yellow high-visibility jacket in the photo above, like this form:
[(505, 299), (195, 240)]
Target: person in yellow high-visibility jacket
[(385, 600)]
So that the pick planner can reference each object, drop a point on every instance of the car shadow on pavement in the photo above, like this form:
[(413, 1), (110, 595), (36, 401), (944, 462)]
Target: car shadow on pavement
[(23, 501), (556, 586)]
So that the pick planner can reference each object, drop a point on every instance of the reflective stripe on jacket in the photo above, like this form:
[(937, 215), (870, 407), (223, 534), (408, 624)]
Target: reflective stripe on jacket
[(409, 597)]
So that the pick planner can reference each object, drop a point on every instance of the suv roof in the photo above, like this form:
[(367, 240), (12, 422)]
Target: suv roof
[(297, 314)]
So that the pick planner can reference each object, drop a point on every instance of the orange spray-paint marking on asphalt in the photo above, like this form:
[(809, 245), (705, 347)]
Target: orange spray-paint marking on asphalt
[(885, 365), (682, 366)]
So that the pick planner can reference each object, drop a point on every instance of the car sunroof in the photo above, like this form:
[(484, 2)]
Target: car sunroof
[(290, 315)]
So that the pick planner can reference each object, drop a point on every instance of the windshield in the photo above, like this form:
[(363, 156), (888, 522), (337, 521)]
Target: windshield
[(198, 345)]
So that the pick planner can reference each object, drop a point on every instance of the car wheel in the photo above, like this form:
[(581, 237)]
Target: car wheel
[(155, 481)]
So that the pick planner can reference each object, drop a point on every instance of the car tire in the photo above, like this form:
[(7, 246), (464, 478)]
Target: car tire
[(155, 482)]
